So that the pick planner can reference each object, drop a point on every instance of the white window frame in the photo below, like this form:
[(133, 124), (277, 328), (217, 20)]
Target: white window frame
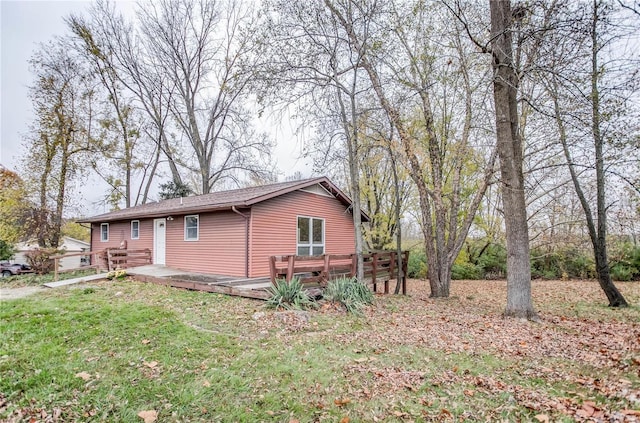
[(137, 229), (311, 244), (102, 238), (186, 237)]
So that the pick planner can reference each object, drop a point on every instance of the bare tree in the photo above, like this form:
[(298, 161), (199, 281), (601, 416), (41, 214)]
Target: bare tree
[(63, 99), (121, 138), (205, 48), (435, 158), (188, 65), (583, 112), (140, 72), (313, 59)]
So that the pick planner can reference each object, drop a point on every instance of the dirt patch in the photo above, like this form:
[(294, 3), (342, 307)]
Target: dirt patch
[(15, 293)]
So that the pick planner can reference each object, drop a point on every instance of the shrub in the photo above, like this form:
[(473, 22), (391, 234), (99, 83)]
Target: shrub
[(350, 293), (580, 264), (493, 261), (417, 266), (289, 295), (546, 264), (40, 259), (626, 262), (622, 272), (466, 271)]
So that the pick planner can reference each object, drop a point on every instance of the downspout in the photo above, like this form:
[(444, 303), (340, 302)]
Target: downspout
[(246, 240)]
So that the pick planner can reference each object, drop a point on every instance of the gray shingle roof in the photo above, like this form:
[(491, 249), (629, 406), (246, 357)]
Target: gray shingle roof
[(222, 200)]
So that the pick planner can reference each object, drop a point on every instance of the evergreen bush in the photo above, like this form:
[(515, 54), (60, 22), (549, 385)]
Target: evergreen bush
[(417, 266), (466, 271)]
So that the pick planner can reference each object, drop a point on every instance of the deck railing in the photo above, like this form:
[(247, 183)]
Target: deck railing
[(381, 266), (118, 258)]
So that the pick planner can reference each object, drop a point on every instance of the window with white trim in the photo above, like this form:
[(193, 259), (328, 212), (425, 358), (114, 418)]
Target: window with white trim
[(104, 232), (135, 229), (191, 227), (310, 236)]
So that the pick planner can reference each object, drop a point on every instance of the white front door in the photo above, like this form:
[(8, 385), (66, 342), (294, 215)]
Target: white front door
[(159, 241)]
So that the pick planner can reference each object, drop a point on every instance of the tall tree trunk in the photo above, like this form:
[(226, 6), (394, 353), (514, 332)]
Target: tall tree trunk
[(505, 83), (398, 210), (42, 213), (602, 266), (600, 242), (350, 126)]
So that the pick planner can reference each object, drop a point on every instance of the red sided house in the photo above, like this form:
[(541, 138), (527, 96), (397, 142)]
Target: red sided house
[(234, 232)]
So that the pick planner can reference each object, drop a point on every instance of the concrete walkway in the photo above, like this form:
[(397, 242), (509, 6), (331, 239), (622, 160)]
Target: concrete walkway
[(73, 281), (25, 291)]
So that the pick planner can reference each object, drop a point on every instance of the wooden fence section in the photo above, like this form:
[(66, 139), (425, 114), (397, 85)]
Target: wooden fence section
[(117, 258), (92, 254), (379, 266)]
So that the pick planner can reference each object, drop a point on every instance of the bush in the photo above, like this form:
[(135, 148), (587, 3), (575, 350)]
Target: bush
[(546, 264), (493, 261), (417, 266), (626, 262), (580, 264), (289, 296), (40, 259), (350, 293), (466, 271), (562, 263)]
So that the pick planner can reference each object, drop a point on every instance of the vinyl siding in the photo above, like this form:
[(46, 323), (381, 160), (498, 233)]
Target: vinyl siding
[(121, 231), (220, 248), (274, 227)]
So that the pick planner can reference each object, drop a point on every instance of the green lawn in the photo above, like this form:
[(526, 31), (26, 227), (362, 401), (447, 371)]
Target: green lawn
[(112, 350)]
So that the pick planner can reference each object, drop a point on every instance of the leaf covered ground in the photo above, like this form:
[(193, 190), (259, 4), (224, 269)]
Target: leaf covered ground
[(128, 351)]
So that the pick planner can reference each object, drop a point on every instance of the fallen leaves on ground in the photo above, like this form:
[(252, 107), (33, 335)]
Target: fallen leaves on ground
[(83, 375), (471, 323), (149, 416)]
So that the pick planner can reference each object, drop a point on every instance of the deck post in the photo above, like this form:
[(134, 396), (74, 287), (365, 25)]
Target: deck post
[(272, 268), (325, 270), (354, 265), (374, 270), (290, 267), (392, 270)]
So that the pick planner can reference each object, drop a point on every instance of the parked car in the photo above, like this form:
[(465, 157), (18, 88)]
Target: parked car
[(8, 269)]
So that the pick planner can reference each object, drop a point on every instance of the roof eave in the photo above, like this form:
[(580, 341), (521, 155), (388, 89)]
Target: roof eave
[(105, 218)]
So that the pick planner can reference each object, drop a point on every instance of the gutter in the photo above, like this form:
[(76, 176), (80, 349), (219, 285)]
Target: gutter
[(246, 240)]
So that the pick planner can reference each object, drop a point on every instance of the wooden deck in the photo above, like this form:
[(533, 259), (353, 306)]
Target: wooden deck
[(220, 284)]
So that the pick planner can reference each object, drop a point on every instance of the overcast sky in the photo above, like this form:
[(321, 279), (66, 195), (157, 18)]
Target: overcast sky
[(24, 24)]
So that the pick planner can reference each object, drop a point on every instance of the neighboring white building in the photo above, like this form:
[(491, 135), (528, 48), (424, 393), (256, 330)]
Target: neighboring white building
[(68, 244)]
